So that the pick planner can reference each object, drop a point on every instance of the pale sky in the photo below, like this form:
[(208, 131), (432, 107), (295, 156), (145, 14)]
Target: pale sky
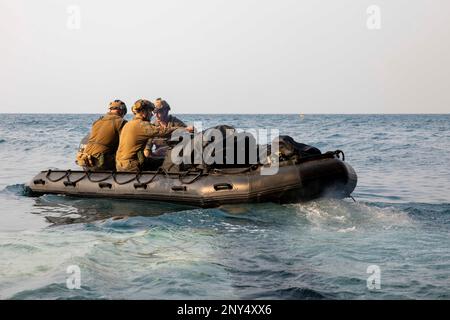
[(225, 56)]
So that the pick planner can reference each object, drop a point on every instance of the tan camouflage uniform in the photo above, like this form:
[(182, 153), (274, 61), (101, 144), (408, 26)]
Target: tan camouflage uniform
[(133, 139), (161, 146), (99, 152)]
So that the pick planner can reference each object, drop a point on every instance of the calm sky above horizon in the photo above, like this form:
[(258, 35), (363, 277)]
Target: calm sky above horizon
[(218, 56)]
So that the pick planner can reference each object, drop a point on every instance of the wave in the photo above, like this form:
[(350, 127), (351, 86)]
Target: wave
[(20, 189), (344, 216), (56, 290), (291, 293)]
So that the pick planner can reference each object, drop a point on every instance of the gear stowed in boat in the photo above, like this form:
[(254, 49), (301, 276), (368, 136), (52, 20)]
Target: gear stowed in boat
[(303, 173)]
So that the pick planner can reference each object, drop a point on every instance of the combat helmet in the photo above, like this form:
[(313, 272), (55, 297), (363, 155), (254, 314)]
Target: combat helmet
[(118, 105)]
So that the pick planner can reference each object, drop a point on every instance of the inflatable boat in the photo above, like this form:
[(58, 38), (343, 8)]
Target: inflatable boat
[(306, 178), (302, 173)]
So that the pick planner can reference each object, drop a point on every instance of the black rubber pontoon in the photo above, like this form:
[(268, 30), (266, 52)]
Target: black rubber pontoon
[(305, 179)]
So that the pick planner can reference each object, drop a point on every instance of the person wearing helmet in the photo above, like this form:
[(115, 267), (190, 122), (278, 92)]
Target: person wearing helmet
[(134, 137), (163, 120), (99, 151)]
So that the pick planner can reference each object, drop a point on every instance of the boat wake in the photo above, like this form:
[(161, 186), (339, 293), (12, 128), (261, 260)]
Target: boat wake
[(345, 216), (337, 215)]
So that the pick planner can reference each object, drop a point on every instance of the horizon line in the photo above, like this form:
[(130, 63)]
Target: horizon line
[(290, 113)]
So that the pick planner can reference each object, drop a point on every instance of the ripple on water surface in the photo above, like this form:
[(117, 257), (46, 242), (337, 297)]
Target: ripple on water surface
[(315, 250)]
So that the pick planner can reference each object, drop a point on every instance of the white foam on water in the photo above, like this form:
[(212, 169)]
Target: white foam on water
[(347, 229), (345, 216)]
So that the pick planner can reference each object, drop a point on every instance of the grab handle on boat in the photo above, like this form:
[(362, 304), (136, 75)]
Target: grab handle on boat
[(340, 154), (39, 181), (70, 183), (179, 188), (223, 186), (105, 185), (140, 185)]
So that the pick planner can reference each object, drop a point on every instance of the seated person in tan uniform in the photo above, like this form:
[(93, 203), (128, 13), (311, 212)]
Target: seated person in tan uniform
[(163, 120), (100, 150), (134, 137)]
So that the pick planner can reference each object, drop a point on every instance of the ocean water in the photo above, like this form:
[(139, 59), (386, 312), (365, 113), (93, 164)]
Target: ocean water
[(321, 249)]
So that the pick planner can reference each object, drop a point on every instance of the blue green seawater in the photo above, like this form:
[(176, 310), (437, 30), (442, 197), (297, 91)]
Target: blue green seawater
[(315, 250)]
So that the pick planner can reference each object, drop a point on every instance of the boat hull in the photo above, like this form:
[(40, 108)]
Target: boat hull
[(328, 177)]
